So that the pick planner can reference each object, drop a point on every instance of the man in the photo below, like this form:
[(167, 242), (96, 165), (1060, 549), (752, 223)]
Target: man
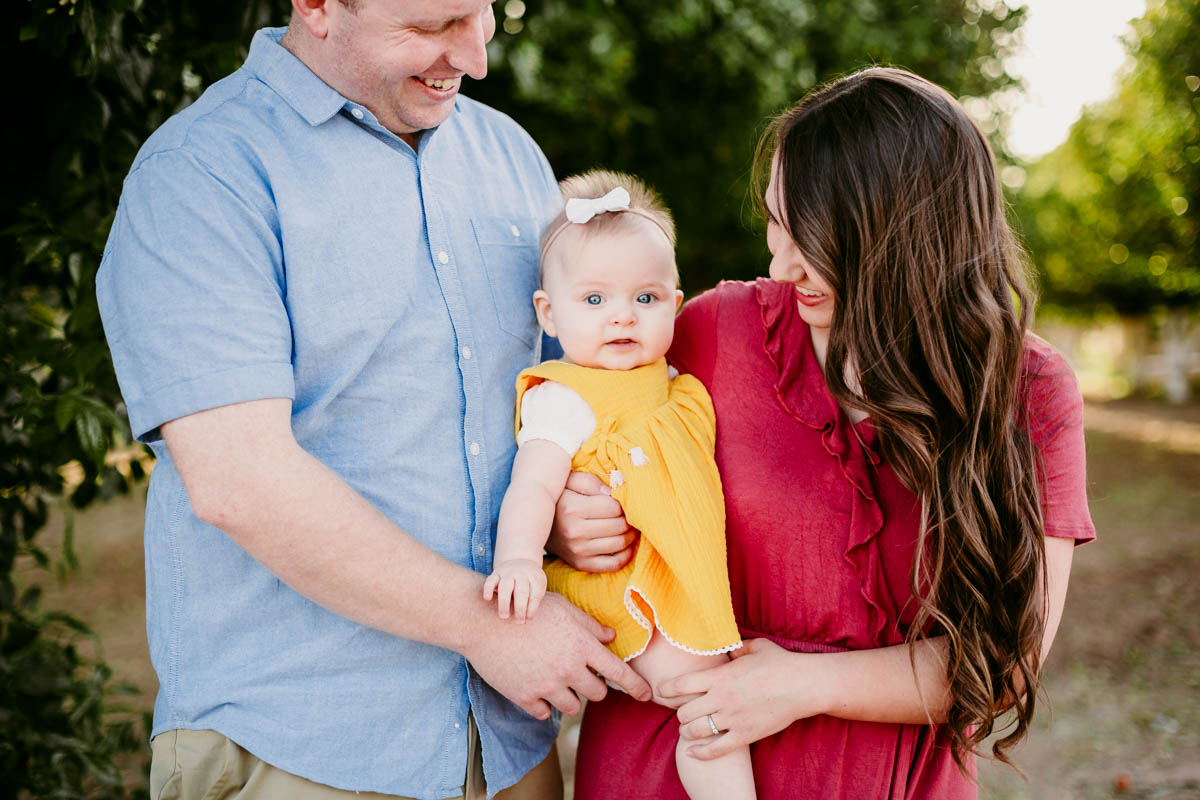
[(317, 294)]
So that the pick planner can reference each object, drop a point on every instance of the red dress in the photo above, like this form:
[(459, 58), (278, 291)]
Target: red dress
[(821, 539)]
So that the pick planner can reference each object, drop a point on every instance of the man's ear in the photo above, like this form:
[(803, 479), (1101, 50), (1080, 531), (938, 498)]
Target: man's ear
[(314, 15), (545, 316)]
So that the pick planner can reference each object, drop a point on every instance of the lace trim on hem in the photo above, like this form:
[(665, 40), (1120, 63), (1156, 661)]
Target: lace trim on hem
[(640, 619)]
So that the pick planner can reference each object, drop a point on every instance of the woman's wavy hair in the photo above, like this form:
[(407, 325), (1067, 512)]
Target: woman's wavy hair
[(890, 191)]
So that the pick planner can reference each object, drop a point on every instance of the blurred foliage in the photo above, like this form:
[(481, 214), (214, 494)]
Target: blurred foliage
[(1112, 215), (92, 79), (676, 92)]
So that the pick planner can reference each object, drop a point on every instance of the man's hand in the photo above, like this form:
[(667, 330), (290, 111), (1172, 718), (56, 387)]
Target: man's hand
[(590, 532), (519, 583), (552, 660)]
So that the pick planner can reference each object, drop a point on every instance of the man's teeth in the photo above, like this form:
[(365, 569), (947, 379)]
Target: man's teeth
[(808, 292), (441, 83)]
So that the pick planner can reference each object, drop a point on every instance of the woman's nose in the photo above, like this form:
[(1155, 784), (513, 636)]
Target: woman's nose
[(785, 265), (778, 269)]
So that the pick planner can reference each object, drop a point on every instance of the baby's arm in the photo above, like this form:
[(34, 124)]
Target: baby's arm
[(539, 474)]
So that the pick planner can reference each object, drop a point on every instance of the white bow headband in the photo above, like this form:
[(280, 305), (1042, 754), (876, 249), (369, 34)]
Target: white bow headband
[(581, 210)]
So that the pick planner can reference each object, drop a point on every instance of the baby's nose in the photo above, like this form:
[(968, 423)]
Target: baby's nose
[(622, 315)]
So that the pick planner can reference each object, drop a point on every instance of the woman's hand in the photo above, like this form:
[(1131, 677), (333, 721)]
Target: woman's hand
[(590, 532), (760, 692)]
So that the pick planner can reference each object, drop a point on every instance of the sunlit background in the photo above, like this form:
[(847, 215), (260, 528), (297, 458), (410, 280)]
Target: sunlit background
[(1069, 56), (1093, 107)]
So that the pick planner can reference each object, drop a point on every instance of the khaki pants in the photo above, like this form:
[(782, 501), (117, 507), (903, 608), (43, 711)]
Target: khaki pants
[(204, 765)]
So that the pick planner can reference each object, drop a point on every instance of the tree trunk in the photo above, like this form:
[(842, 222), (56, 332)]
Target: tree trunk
[(1177, 356), (1133, 359)]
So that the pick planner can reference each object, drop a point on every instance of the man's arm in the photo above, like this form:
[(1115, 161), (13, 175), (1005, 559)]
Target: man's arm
[(246, 474)]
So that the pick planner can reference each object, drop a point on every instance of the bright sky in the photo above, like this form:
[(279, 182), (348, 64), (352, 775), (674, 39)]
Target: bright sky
[(1070, 57)]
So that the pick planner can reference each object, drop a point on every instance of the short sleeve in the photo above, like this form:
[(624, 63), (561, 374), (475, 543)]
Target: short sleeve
[(1054, 413), (694, 348), (557, 413), (191, 292)]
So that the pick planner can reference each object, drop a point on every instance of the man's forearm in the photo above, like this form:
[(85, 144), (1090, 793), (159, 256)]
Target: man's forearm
[(320, 537)]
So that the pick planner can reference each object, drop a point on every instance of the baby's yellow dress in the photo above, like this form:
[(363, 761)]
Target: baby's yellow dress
[(653, 444)]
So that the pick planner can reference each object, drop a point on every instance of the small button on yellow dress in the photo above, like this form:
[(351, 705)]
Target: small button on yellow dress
[(653, 444)]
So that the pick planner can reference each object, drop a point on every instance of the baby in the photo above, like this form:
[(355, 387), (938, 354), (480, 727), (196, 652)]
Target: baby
[(609, 293)]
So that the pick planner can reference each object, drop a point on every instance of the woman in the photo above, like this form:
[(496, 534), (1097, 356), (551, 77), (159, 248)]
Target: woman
[(902, 463)]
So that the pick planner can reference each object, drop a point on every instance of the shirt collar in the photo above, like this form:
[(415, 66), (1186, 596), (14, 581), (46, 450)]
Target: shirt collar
[(290, 78)]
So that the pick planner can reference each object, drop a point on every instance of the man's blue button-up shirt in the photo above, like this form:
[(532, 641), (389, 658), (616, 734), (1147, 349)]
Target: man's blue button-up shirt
[(274, 240)]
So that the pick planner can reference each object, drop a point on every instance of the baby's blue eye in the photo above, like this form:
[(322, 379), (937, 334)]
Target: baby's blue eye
[(593, 299), (645, 298)]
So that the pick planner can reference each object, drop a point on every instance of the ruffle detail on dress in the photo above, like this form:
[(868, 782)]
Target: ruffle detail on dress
[(866, 522), (635, 612), (790, 355), (800, 388)]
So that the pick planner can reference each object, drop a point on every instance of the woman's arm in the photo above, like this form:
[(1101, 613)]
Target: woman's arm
[(766, 688)]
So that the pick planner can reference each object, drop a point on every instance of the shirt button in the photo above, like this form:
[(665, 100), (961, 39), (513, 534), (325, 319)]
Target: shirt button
[(516, 231), (474, 448), (444, 257), (456, 725), (356, 113), (466, 352), (479, 549)]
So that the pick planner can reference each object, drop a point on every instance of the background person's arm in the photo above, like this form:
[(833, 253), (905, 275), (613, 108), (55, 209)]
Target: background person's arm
[(246, 474), (766, 688)]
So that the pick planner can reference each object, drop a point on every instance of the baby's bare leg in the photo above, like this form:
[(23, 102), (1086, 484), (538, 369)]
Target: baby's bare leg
[(726, 778)]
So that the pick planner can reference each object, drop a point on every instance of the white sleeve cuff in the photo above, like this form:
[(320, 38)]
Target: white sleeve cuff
[(557, 413)]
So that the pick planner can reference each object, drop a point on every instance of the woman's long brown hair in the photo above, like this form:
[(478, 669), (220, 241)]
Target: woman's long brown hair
[(890, 191)]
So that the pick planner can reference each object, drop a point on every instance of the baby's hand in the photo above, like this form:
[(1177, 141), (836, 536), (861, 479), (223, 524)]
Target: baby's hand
[(520, 581)]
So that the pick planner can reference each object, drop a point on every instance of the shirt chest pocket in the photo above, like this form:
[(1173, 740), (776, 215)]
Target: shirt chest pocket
[(509, 254)]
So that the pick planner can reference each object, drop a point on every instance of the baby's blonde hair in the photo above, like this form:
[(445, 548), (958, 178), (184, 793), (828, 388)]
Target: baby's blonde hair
[(643, 202)]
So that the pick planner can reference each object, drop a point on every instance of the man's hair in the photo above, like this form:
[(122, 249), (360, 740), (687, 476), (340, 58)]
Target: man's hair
[(644, 202)]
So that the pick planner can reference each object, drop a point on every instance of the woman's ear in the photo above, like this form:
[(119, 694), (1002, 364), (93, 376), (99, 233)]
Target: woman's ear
[(545, 316)]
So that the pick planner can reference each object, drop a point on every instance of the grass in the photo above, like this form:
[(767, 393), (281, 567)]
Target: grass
[(1120, 712)]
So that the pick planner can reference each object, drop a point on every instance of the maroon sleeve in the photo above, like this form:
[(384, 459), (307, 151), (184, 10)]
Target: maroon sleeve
[(694, 349), (1054, 413)]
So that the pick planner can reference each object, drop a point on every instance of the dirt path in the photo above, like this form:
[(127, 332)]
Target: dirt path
[(1177, 433), (1121, 707)]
